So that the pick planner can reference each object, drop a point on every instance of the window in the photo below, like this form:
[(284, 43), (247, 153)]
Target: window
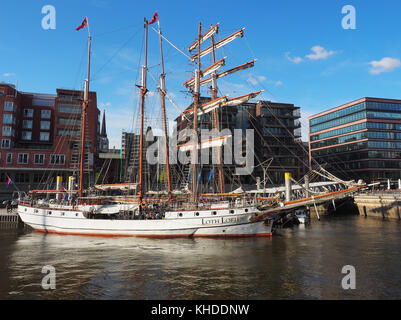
[(39, 159), (69, 121), (5, 143), (44, 136), (69, 108), (22, 177), (68, 132), (9, 158), (8, 131), (46, 114), (22, 158), (37, 177), (75, 158), (58, 159), (8, 119), (27, 124), (26, 135), (45, 125), (9, 106), (28, 113)]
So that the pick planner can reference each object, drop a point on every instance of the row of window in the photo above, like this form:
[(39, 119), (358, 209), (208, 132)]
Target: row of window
[(355, 117), (69, 108), (23, 158), (27, 135), (357, 136), (379, 164), (55, 159), (379, 106), (44, 125), (338, 114), (28, 113), (338, 122), (357, 127), (337, 132), (340, 149), (384, 145), (372, 154), (44, 114)]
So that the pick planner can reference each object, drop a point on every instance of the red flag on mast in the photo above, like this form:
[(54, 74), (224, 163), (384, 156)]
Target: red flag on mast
[(83, 24), (154, 18)]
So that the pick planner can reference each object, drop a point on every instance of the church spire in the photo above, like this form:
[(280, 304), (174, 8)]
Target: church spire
[(103, 131)]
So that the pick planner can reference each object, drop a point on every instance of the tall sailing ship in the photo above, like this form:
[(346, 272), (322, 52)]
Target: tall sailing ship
[(180, 213)]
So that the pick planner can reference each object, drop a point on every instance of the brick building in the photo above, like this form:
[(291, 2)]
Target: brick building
[(40, 137)]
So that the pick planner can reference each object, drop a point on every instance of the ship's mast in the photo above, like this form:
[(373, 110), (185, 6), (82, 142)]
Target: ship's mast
[(216, 103), (216, 120), (143, 93), (195, 115), (163, 106), (83, 122)]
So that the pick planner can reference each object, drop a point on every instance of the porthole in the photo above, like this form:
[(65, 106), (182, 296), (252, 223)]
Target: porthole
[(197, 214), (214, 213), (62, 213), (246, 210), (49, 213), (180, 214), (36, 211), (25, 209), (76, 214), (231, 211)]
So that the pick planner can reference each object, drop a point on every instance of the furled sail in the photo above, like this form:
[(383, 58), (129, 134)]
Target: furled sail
[(240, 100), (207, 71), (207, 35), (205, 144), (117, 186), (209, 106), (224, 102), (244, 66), (235, 35)]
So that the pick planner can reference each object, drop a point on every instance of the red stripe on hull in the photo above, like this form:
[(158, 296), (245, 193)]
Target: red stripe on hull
[(155, 236), (113, 235), (233, 235)]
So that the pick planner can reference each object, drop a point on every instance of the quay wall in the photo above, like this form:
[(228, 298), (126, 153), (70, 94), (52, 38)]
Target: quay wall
[(382, 205)]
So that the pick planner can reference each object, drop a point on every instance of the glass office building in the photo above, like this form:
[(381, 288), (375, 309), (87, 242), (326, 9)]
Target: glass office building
[(358, 140)]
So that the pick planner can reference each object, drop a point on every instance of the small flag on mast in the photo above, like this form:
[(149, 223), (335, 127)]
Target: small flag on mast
[(9, 181), (83, 24), (154, 18)]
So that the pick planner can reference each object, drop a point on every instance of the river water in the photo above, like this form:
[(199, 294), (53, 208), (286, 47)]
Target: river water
[(300, 263)]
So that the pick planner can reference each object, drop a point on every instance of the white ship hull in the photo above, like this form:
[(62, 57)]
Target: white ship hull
[(203, 223)]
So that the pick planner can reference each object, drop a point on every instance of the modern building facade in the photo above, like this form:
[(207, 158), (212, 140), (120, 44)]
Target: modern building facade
[(40, 137), (358, 140), (277, 132)]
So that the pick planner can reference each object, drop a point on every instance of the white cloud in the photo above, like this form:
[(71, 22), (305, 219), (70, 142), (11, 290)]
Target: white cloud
[(103, 105), (9, 74), (295, 60), (277, 83), (254, 80), (319, 53), (384, 65)]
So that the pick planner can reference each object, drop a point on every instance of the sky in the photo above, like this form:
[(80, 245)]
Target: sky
[(304, 55)]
